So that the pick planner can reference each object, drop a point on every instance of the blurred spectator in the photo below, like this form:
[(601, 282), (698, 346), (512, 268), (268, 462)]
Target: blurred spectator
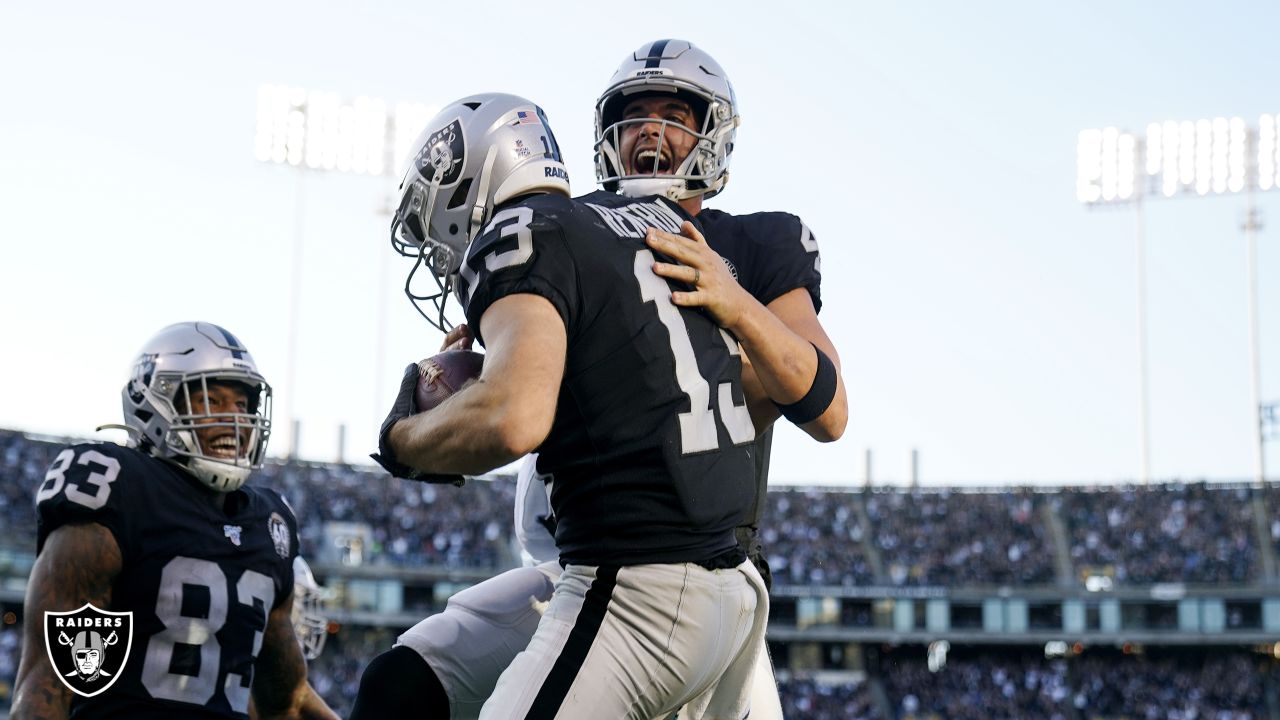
[(950, 538), (814, 537), (987, 686), (1189, 685), (812, 700), (1164, 533), (939, 537)]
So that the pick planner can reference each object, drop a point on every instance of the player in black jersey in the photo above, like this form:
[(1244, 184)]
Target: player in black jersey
[(634, 404), (166, 529), (456, 656), (666, 125)]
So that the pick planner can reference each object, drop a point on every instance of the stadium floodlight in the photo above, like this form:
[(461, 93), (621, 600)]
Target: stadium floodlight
[(318, 131), (1210, 156)]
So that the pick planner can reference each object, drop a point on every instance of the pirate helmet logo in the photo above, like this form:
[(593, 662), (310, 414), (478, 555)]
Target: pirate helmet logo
[(88, 647)]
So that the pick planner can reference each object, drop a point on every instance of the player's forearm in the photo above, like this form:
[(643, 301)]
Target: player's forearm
[(78, 564), (472, 432), (38, 695), (785, 361), (306, 705), (314, 707)]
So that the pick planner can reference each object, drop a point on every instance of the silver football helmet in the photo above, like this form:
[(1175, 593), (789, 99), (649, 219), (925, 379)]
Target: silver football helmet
[(184, 360), (478, 153), (310, 622), (680, 68)]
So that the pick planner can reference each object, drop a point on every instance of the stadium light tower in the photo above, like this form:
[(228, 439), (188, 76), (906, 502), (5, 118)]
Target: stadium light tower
[(1187, 159), (319, 132)]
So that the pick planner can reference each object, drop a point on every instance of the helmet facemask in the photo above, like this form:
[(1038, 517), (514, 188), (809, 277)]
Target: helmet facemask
[(409, 237), (668, 68), (221, 448), (167, 404), (478, 153), (697, 173)]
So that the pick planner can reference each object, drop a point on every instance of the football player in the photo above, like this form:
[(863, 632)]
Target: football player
[(665, 126), (165, 528), (634, 404)]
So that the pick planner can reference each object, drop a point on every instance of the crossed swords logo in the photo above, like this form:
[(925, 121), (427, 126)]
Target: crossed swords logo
[(97, 646)]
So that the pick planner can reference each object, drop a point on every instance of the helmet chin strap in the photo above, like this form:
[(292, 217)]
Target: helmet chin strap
[(668, 187), (480, 210)]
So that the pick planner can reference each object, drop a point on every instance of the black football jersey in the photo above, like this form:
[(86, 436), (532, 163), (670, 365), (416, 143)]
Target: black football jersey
[(200, 582), (770, 254), (650, 449)]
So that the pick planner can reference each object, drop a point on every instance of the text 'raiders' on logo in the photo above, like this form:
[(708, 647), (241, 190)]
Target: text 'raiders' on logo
[(88, 647)]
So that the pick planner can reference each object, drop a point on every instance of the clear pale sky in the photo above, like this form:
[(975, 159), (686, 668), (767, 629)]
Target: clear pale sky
[(982, 314)]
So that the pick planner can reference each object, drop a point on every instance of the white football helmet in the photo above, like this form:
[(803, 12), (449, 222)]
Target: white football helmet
[(680, 68), (478, 153), (310, 622), (180, 361)]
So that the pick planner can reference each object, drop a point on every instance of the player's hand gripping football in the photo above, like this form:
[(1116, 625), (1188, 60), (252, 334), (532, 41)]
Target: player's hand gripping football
[(406, 404), (714, 288)]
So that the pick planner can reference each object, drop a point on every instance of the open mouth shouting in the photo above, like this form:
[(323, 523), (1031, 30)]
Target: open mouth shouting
[(650, 161)]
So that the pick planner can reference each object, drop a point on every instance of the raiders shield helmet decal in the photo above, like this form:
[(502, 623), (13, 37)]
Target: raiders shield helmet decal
[(443, 155), (88, 647)]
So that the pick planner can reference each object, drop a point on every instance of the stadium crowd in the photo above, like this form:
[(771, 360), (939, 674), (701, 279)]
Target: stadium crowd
[(1100, 685), (944, 537), (1169, 533), (1182, 532)]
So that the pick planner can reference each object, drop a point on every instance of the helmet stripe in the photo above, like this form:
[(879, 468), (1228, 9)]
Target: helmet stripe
[(655, 54), (237, 350)]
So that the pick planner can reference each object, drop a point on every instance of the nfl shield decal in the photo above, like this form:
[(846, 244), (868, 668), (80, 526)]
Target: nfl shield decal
[(88, 647)]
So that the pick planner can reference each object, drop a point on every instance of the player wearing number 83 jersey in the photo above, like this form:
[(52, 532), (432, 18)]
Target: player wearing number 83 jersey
[(165, 529), (200, 583)]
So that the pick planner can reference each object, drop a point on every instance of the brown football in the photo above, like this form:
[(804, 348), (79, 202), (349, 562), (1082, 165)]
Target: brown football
[(442, 375)]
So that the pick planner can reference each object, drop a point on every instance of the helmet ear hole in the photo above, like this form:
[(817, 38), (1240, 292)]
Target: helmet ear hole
[(460, 195)]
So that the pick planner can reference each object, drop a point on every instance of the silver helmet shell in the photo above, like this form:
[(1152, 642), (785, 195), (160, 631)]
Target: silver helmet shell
[(478, 153), (677, 67), (310, 622), (178, 362)]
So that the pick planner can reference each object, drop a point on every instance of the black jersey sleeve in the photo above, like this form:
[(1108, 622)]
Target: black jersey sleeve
[(523, 250), (89, 483), (783, 256), (287, 545)]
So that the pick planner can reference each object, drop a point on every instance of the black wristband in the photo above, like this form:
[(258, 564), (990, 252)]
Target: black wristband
[(818, 399)]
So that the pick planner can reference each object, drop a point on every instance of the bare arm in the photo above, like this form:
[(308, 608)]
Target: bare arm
[(508, 411), (280, 687), (79, 564), (776, 339)]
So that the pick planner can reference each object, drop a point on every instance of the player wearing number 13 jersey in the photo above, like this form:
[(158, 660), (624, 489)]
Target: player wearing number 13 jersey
[(634, 404), (166, 529), (653, 468)]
